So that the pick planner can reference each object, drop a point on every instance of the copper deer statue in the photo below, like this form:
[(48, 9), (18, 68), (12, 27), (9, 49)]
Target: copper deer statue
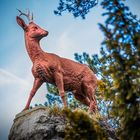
[(65, 74)]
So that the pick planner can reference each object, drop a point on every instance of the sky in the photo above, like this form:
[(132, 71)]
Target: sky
[(67, 36)]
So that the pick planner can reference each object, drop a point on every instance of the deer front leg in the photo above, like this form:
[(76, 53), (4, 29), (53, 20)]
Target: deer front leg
[(60, 85), (36, 85)]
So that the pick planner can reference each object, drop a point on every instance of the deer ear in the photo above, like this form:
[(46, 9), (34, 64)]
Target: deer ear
[(21, 23)]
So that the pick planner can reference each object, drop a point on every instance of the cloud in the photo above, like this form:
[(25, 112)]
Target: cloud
[(61, 45), (65, 45), (14, 92), (15, 88), (7, 78)]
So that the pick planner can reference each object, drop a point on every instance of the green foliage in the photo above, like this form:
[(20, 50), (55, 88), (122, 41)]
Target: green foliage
[(55, 110), (82, 127), (118, 68), (52, 89), (121, 64), (79, 8)]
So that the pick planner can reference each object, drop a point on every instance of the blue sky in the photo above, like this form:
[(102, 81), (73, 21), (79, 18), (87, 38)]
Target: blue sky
[(67, 35)]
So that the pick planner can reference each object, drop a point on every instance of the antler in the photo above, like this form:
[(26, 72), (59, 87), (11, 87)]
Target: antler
[(28, 15)]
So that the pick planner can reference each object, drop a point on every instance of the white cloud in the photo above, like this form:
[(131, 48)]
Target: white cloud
[(14, 87), (65, 46), (61, 45), (14, 92), (7, 78)]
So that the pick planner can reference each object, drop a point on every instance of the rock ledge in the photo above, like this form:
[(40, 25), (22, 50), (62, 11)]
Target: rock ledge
[(37, 124)]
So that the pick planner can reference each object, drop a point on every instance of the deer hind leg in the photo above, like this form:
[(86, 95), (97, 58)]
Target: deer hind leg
[(81, 97), (89, 89), (36, 85)]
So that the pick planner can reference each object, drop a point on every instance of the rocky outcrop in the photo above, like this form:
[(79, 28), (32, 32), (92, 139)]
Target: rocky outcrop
[(41, 123), (37, 124)]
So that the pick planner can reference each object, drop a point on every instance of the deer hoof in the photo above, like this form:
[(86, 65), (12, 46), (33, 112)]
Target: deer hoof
[(25, 109)]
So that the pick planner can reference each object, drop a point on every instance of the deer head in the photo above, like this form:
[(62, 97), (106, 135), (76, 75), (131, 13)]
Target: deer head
[(32, 31)]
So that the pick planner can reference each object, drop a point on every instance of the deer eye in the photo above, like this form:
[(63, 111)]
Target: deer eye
[(35, 27)]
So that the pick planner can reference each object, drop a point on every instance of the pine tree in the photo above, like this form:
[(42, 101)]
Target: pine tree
[(79, 8), (121, 64)]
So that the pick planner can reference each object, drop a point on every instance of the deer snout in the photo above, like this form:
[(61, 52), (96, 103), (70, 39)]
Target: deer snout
[(45, 33)]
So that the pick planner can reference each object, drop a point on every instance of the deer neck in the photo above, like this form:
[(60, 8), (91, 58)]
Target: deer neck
[(33, 48)]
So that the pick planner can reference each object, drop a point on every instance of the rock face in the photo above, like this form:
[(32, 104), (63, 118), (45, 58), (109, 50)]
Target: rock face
[(37, 124), (40, 124)]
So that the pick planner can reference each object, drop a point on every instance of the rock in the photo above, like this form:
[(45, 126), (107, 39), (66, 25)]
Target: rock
[(40, 123), (37, 124)]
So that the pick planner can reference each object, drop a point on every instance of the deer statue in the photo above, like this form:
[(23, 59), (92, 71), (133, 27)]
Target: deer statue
[(65, 74)]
